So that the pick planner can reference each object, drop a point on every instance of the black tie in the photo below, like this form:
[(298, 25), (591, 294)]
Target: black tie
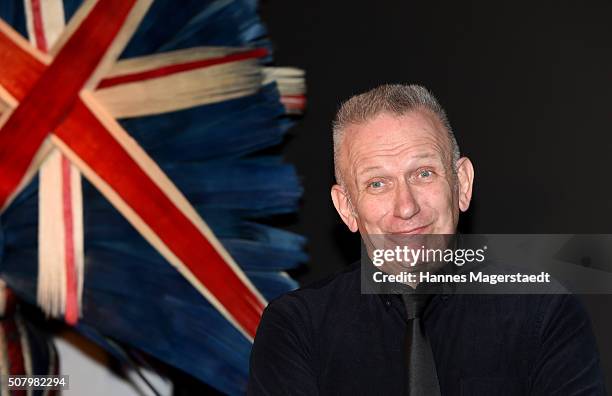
[(422, 378)]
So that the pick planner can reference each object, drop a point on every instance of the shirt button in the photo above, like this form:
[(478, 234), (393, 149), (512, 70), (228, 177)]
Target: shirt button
[(388, 303)]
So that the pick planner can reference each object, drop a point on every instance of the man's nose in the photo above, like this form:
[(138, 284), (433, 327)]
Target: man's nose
[(406, 205)]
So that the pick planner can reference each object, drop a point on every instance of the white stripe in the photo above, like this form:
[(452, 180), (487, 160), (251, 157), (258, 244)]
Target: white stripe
[(52, 17), (51, 293), (53, 20), (77, 232), (182, 90), (145, 63)]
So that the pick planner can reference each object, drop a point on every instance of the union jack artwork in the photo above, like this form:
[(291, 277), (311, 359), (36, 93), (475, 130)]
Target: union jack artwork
[(132, 177)]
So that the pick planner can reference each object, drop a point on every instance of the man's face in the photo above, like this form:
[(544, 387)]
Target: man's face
[(398, 176)]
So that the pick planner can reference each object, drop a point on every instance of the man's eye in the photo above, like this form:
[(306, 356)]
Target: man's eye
[(376, 184), (425, 173)]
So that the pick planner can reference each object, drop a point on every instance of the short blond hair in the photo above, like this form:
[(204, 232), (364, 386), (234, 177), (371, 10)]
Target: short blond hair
[(396, 99)]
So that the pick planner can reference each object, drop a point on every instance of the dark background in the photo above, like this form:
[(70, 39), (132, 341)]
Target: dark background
[(528, 90)]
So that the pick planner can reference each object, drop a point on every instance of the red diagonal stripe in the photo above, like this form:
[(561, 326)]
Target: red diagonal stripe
[(19, 70), (90, 140), (181, 67), (51, 97), (171, 225)]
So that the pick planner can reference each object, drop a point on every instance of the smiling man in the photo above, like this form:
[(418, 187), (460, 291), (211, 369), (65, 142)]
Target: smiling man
[(399, 172), (399, 168)]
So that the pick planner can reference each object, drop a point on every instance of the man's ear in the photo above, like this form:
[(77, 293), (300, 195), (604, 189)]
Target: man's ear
[(344, 207), (465, 176)]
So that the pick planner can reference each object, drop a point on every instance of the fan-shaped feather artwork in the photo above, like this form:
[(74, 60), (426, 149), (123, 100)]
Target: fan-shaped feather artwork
[(132, 176)]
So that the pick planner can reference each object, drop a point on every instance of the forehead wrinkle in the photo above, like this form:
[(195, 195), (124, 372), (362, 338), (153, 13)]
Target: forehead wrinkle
[(394, 152), (425, 123)]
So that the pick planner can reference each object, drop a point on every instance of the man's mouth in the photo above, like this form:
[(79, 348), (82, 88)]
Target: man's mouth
[(412, 231)]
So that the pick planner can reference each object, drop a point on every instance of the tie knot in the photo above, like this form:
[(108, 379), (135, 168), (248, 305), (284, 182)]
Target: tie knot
[(415, 304)]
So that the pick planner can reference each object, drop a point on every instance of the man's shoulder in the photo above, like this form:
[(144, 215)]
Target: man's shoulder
[(532, 315), (334, 291)]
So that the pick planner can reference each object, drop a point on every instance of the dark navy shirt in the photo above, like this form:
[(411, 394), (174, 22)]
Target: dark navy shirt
[(330, 339)]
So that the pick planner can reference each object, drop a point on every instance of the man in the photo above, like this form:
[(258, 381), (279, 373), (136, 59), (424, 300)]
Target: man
[(399, 172)]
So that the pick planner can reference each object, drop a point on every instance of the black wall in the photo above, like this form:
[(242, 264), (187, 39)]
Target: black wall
[(528, 90)]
